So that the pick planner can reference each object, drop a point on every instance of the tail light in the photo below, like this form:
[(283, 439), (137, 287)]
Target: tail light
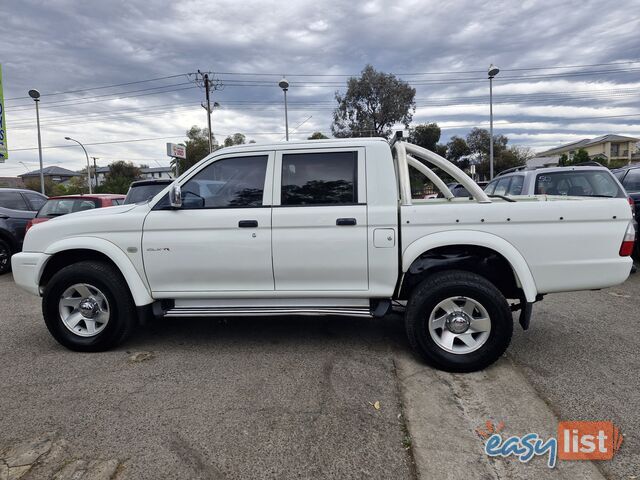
[(632, 204), (29, 225), (626, 249)]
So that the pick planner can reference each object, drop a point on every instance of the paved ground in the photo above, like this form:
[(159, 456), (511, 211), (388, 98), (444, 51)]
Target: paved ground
[(295, 398)]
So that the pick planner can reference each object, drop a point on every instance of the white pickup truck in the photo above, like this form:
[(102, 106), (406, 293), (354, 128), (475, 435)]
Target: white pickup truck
[(324, 228)]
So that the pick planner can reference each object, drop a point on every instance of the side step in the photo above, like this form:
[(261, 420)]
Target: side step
[(210, 311)]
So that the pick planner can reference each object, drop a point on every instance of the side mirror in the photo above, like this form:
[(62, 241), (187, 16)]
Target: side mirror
[(175, 196)]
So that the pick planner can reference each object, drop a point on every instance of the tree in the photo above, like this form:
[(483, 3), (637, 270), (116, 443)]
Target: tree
[(426, 136), (317, 136), (50, 189), (456, 149), (119, 177), (197, 147), (235, 139), (373, 103), (479, 141)]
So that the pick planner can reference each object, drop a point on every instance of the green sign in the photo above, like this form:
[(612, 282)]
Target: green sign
[(4, 151)]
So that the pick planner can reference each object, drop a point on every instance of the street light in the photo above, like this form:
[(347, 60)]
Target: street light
[(35, 94), (284, 85), (88, 166), (493, 71), (25, 167)]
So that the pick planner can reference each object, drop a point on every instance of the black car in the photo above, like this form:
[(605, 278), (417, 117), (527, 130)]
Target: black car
[(17, 207), (629, 177), (145, 190)]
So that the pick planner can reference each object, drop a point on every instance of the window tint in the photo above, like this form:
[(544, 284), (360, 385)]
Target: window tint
[(319, 178), (232, 182), (12, 200), (632, 180), (579, 183), (37, 201), (62, 206), (502, 186), (516, 185), (490, 188)]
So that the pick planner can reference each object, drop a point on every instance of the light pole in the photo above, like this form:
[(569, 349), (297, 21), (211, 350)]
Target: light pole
[(35, 94), (25, 167), (88, 165), (284, 85), (493, 71)]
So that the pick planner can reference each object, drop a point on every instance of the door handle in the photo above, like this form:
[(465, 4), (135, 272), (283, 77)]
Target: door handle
[(248, 223), (341, 222)]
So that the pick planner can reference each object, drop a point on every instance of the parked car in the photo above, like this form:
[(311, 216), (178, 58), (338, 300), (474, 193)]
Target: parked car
[(145, 190), (64, 204), (629, 177), (17, 207), (324, 227), (574, 181), (459, 190)]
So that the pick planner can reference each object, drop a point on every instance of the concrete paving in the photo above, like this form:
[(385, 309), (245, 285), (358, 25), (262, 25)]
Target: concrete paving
[(296, 397)]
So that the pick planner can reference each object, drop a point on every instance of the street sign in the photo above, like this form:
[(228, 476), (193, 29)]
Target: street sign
[(176, 150), (4, 151)]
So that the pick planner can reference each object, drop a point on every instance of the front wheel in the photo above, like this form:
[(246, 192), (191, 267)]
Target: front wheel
[(87, 307), (458, 321)]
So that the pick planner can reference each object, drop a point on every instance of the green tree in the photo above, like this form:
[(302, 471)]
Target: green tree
[(456, 149), (426, 136), (317, 136), (235, 139), (51, 189), (478, 141), (563, 160), (373, 103), (197, 146), (119, 178)]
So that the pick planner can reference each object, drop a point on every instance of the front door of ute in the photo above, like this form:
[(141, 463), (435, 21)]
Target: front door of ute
[(220, 239)]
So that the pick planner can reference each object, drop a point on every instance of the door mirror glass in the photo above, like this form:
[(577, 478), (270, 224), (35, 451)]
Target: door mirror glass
[(175, 196)]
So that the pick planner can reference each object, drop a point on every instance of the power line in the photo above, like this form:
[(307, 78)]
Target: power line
[(100, 143)]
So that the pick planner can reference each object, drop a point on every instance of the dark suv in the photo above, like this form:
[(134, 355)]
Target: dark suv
[(17, 207), (629, 177)]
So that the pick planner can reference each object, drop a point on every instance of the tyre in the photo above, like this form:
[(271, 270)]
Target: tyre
[(87, 307), (458, 321), (5, 257)]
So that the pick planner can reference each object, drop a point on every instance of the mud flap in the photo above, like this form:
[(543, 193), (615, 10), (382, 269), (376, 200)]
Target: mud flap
[(525, 314)]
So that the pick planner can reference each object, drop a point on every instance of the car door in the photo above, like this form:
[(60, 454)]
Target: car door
[(16, 215), (320, 220), (220, 239)]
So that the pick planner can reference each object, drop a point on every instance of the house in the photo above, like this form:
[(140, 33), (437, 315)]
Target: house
[(147, 173), (54, 174), (11, 182), (602, 149)]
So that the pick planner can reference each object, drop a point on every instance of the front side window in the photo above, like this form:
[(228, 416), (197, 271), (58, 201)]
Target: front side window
[(13, 201), (490, 188), (37, 201), (328, 178), (516, 185), (230, 182)]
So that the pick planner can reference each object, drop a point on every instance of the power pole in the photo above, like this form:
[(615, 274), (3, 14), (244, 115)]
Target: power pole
[(209, 83), (95, 170)]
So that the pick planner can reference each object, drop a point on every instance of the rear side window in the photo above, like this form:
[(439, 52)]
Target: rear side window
[(37, 201), (515, 188), (320, 178), (632, 181), (62, 206), (578, 183), (13, 201)]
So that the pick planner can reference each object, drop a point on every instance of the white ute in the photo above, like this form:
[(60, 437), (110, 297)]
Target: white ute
[(324, 228)]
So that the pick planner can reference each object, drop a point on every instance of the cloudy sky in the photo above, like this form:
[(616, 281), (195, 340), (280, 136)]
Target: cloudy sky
[(114, 74)]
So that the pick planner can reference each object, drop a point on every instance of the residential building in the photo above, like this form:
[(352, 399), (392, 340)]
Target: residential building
[(147, 173), (602, 149), (54, 174), (11, 182)]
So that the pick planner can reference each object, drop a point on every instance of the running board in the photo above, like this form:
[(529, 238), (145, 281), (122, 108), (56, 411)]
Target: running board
[(266, 311)]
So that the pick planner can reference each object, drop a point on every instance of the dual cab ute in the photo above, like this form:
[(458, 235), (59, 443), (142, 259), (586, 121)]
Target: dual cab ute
[(324, 228)]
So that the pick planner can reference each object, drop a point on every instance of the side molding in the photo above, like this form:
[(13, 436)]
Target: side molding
[(139, 291), (481, 239)]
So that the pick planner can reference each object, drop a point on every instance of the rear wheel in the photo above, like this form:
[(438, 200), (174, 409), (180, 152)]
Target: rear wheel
[(458, 321), (5, 257), (87, 307)]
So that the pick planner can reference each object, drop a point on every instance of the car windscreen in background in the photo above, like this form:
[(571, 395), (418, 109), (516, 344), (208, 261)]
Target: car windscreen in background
[(143, 193), (578, 183), (62, 206)]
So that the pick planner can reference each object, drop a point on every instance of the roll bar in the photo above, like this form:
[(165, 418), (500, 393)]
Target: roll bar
[(403, 149)]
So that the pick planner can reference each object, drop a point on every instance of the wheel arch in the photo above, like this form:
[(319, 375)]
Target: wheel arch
[(475, 241), (69, 251)]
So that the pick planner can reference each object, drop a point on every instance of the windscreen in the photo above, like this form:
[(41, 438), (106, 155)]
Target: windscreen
[(61, 206), (578, 183)]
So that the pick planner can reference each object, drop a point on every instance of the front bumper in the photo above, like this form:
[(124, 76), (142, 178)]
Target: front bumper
[(27, 268)]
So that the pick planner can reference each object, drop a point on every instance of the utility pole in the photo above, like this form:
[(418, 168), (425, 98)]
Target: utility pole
[(204, 80), (95, 170), (35, 94)]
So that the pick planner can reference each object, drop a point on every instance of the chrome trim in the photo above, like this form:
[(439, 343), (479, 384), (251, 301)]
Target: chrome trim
[(266, 311)]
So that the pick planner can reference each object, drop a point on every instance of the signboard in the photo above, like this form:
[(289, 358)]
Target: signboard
[(4, 151), (176, 150)]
